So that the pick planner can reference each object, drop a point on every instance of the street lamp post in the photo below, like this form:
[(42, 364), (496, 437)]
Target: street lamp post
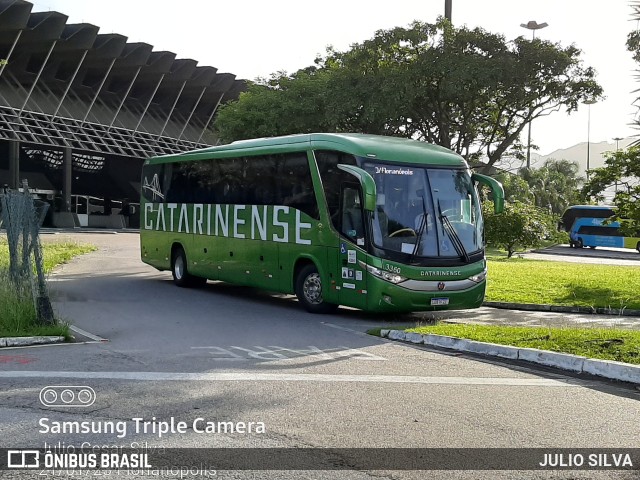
[(533, 26), (617, 139), (447, 9), (589, 103)]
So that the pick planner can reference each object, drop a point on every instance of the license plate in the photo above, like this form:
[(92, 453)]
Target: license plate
[(439, 301)]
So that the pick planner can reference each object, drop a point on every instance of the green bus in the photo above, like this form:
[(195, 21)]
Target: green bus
[(372, 222)]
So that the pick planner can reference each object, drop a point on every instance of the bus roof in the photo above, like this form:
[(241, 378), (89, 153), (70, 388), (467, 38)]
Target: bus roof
[(590, 207), (584, 211), (376, 147)]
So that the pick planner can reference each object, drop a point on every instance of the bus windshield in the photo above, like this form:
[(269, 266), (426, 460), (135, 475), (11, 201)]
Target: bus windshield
[(425, 212)]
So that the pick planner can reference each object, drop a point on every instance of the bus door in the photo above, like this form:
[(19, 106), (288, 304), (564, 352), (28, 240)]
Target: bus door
[(352, 278)]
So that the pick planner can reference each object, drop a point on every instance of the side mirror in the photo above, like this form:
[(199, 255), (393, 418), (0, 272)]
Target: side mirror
[(496, 190), (367, 183)]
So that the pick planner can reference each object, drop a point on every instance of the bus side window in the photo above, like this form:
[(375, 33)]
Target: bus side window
[(179, 190), (332, 178), (259, 180), (352, 224), (227, 186), (295, 184)]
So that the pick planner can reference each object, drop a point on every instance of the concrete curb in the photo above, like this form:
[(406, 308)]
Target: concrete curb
[(623, 372), (562, 309), (565, 361), (26, 341)]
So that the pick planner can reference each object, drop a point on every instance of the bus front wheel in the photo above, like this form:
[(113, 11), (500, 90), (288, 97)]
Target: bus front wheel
[(309, 291), (180, 272)]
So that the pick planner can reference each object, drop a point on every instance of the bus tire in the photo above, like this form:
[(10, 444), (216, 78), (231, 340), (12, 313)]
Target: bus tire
[(180, 272), (579, 243), (309, 291), (638, 247)]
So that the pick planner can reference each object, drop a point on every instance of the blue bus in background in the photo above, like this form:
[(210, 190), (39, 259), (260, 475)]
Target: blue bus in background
[(584, 223)]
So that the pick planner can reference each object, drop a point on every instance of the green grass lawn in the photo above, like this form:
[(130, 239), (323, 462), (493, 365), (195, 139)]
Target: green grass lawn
[(54, 253), (520, 280), (601, 343), (17, 312)]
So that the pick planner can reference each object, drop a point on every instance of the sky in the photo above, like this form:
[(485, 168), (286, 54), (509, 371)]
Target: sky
[(256, 38)]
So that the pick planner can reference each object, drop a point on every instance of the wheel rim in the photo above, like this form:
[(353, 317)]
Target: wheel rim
[(178, 267), (312, 289)]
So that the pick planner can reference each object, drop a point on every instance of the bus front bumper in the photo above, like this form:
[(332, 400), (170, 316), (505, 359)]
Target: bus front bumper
[(383, 296)]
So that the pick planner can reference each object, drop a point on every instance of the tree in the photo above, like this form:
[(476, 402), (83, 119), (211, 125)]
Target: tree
[(519, 226), (621, 171), (622, 168), (555, 185), (515, 187), (282, 105), (468, 90), (552, 187), (633, 45)]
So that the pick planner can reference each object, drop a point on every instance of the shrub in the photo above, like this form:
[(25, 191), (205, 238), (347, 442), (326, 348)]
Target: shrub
[(520, 226)]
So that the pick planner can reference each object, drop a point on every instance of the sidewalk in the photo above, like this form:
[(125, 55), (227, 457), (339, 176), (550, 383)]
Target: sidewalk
[(619, 312), (498, 316)]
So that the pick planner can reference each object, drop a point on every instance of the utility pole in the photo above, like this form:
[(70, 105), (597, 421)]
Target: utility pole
[(533, 26), (447, 10), (589, 103), (617, 139)]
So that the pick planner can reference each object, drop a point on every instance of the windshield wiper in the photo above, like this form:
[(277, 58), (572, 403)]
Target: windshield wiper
[(455, 239), (422, 228)]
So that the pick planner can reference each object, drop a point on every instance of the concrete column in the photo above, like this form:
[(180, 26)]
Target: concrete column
[(14, 164), (66, 179)]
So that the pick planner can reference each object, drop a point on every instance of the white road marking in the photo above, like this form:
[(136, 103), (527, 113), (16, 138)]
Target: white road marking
[(297, 377), (275, 352), (221, 353), (345, 329)]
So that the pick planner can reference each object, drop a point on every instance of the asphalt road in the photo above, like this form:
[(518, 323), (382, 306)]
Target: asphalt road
[(608, 256), (226, 353)]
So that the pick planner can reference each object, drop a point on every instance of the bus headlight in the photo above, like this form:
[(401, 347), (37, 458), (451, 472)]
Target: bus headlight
[(383, 274), (480, 277)]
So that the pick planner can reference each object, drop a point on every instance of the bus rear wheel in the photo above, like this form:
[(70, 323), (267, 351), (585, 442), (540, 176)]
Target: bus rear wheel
[(638, 247), (180, 272), (309, 291)]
